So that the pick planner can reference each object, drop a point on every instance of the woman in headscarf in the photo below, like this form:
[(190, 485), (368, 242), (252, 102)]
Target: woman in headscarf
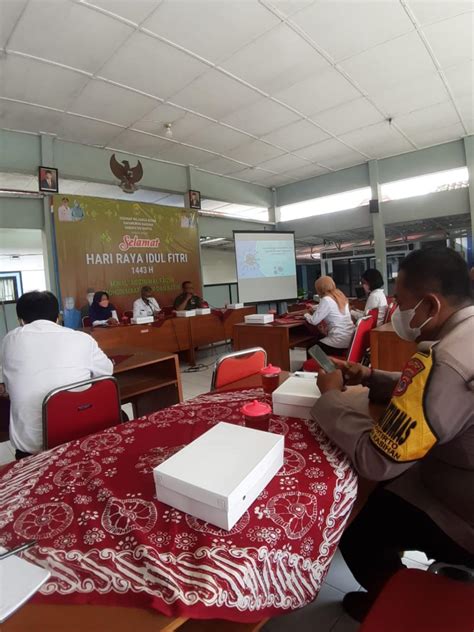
[(333, 309), (102, 312)]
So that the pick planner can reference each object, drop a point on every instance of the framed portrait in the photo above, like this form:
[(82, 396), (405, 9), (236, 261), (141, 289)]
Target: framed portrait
[(48, 179), (194, 198)]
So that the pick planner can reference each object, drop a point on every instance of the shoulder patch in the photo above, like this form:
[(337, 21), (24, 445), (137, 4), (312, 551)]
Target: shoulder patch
[(404, 434)]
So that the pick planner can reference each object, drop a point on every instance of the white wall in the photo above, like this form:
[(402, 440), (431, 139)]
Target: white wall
[(218, 266)]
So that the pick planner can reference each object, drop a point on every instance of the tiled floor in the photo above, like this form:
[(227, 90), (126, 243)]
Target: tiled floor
[(325, 614)]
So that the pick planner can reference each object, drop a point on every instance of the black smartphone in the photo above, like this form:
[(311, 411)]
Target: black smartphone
[(322, 358)]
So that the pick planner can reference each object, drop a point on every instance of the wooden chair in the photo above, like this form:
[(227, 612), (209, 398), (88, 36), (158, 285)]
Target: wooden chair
[(237, 365), (86, 321), (76, 410)]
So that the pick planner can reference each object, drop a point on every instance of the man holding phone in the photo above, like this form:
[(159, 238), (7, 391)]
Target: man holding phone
[(425, 438)]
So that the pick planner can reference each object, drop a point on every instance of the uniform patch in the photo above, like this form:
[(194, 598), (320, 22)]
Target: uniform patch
[(404, 434)]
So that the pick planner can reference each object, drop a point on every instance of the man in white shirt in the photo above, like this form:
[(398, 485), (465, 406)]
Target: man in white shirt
[(146, 305), (38, 357)]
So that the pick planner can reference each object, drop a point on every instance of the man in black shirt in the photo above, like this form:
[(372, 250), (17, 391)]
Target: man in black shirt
[(187, 300)]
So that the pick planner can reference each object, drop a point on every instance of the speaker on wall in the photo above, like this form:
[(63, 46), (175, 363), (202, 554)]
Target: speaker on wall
[(373, 206)]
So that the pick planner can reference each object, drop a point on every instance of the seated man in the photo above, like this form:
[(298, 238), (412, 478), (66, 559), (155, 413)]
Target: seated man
[(187, 300), (38, 357), (146, 305), (425, 438)]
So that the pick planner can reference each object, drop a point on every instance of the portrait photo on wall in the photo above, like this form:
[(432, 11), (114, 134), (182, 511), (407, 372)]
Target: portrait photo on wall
[(194, 200), (48, 179)]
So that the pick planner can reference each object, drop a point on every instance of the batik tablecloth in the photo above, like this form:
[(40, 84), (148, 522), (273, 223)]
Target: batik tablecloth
[(106, 540)]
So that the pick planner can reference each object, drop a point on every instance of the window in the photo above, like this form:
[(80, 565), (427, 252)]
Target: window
[(327, 204), (421, 185), (10, 284)]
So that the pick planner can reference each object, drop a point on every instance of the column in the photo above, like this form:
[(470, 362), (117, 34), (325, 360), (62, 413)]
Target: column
[(190, 181), (49, 245), (469, 151), (274, 209), (377, 222)]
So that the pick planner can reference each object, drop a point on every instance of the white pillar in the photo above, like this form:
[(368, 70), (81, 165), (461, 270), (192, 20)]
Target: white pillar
[(49, 253), (469, 151), (377, 222)]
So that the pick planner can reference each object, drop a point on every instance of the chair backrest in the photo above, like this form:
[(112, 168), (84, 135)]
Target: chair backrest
[(237, 365), (86, 321), (361, 340), (389, 313), (168, 310), (80, 409), (128, 313), (374, 314)]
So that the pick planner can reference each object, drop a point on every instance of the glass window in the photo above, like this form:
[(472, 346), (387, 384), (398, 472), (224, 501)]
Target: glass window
[(421, 185), (326, 204), (8, 288)]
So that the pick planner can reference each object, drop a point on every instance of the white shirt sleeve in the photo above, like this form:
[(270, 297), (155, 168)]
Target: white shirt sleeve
[(319, 313), (137, 308), (99, 322), (372, 302), (115, 315), (101, 364), (154, 303)]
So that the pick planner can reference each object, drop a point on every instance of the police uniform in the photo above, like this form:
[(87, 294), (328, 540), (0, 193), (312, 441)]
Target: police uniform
[(193, 303), (425, 441)]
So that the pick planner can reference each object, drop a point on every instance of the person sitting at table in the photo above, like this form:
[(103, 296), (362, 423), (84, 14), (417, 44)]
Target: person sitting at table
[(333, 309), (102, 312), (424, 441), (372, 283), (187, 299), (146, 305), (38, 357)]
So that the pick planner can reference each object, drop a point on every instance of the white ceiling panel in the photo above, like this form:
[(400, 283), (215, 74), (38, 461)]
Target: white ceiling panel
[(434, 10), (284, 163), (68, 33), (261, 117), (458, 79), (10, 11), (149, 65), (108, 102), (223, 166), (251, 174), (275, 60), (378, 141), (452, 40), (321, 91), (413, 93), (465, 105), (142, 144), (186, 155), (274, 180), (215, 94), (87, 131), (329, 150), (216, 137), (254, 152), (135, 11), (31, 80), (437, 135), (393, 62), (344, 29), (28, 118), (435, 116), (182, 123), (349, 116), (305, 172), (289, 7), (213, 29), (296, 135)]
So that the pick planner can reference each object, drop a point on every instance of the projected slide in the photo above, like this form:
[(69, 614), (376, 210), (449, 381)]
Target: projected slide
[(266, 266)]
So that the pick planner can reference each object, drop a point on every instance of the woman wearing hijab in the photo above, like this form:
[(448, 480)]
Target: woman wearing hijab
[(372, 282), (333, 308), (102, 312)]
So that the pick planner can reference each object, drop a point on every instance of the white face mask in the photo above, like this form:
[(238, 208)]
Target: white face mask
[(401, 323)]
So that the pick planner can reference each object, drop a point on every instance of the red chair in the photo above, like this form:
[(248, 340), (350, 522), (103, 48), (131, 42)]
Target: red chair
[(359, 345), (80, 409), (168, 310), (389, 313), (237, 365), (86, 321), (416, 600), (374, 314), (128, 313)]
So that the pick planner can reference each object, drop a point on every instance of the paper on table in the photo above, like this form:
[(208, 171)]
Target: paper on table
[(19, 580)]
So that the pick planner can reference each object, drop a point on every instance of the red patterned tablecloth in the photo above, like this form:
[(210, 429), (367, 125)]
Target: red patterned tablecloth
[(106, 540)]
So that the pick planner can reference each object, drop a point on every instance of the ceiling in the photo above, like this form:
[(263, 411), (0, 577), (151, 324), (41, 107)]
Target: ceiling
[(265, 91)]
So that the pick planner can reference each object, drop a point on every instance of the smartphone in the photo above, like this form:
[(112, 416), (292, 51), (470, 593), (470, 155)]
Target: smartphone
[(322, 358)]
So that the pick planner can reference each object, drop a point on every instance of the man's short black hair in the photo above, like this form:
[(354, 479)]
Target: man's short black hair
[(37, 306), (440, 270), (373, 278), (184, 284), (147, 288)]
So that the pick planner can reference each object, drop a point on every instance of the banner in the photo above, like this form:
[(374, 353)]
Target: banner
[(119, 246)]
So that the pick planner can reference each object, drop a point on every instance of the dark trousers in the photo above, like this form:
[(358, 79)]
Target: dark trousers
[(386, 526), (19, 454), (332, 351)]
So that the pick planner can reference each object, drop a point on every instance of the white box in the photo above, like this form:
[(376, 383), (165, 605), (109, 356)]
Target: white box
[(202, 311), (142, 320), (295, 397), (259, 319), (219, 475), (235, 306), (185, 313)]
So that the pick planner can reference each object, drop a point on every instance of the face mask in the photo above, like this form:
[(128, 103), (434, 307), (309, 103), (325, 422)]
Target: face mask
[(401, 323), (104, 303)]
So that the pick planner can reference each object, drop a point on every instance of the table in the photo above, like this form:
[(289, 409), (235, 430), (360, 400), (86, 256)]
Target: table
[(90, 503), (172, 335), (276, 339), (149, 380), (388, 351)]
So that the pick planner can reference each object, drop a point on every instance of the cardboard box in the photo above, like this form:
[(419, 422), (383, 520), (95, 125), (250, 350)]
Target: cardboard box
[(185, 313), (295, 397), (219, 475), (142, 320), (259, 319), (235, 306), (202, 311)]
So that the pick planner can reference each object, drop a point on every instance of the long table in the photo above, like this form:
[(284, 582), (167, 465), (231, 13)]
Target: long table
[(388, 351), (172, 335)]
